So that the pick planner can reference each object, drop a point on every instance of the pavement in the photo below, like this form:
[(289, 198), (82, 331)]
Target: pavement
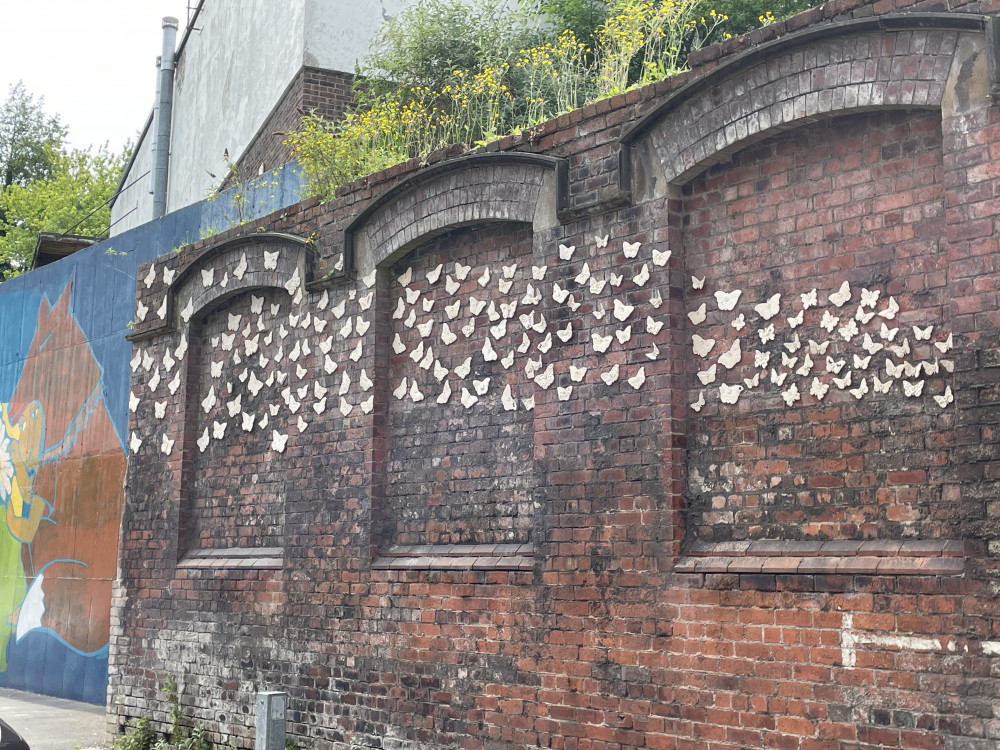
[(53, 723)]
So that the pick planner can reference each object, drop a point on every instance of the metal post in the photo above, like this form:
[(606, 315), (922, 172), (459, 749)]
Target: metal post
[(270, 720)]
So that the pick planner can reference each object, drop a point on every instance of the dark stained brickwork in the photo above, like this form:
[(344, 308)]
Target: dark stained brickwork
[(454, 476), (595, 560)]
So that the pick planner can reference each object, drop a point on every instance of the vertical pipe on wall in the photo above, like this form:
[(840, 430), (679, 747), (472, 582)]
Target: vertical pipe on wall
[(156, 112), (164, 106)]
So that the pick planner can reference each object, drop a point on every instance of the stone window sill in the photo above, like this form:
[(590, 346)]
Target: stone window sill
[(235, 558), (457, 557), (875, 557)]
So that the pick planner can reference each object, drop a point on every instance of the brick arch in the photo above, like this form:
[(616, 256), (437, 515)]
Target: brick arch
[(222, 258), (893, 62), (475, 189)]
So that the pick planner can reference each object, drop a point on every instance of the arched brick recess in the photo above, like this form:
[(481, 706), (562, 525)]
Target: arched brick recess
[(476, 189), (240, 262), (852, 67), (858, 199), (227, 498), (456, 475)]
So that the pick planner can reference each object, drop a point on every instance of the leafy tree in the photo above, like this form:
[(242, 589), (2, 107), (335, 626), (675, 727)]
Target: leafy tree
[(426, 43), (746, 15), (29, 138), (582, 17), (72, 198)]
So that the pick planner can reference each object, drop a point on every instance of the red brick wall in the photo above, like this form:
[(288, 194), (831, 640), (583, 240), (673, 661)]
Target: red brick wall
[(326, 92), (848, 602), (857, 199)]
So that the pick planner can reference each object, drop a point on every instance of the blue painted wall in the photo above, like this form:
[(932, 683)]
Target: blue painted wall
[(64, 384)]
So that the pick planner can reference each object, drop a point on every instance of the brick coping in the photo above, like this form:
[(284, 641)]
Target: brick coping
[(241, 558), (456, 557), (844, 557)]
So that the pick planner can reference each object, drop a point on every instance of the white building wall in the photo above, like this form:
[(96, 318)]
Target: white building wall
[(230, 75)]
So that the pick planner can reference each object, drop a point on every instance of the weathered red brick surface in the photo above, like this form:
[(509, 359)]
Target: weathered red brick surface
[(476, 483)]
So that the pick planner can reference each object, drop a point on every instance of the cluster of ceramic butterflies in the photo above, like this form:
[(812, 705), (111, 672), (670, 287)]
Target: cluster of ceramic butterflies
[(254, 353), (498, 309), (862, 349)]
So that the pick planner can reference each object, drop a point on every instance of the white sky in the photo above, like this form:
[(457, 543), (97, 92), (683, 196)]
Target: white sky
[(94, 61)]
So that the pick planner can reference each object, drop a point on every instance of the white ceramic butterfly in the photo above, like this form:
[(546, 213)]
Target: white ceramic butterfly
[(707, 376), (701, 346), (508, 400), (697, 405), (726, 300), (818, 389), (806, 368), (660, 259), (600, 343), (890, 312), (842, 296), (945, 346), (642, 277), (946, 398), (730, 394), (769, 309), (731, 358), (445, 394), (698, 316), (861, 390), (622, 311)]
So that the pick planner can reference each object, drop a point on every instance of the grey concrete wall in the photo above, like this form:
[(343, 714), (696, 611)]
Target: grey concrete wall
[(337, 33), (134, 205)]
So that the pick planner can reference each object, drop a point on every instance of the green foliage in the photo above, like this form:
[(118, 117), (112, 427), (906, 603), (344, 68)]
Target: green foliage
[(29, 139), (448, 71), (71, 198), (142, 737), (582, 17), (745, 15), (139, 737), (424, 45)]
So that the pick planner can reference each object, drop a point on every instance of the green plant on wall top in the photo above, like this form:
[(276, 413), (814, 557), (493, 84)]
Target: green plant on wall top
[(447, 71)]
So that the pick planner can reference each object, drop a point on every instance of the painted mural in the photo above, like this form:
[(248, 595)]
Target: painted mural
[(62, 466)]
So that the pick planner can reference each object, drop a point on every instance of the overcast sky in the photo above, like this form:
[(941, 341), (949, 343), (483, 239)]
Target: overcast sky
[(94, 61)]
